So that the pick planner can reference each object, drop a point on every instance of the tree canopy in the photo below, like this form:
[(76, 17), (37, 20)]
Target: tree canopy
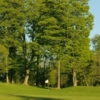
[(45, 38)]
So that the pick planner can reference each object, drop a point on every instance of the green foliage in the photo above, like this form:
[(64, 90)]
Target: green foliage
[(96, 57), (53, 77), (51, 29)]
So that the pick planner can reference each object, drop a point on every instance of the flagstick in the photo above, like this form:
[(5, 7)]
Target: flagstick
[(47, 82)]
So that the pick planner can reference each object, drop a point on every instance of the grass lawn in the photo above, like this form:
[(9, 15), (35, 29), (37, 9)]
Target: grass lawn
[(21, 92)]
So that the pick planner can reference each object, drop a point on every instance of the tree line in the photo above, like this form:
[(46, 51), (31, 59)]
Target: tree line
[(48, 39)]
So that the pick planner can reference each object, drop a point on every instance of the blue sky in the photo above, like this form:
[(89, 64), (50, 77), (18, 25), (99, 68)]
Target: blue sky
[(95, 10)]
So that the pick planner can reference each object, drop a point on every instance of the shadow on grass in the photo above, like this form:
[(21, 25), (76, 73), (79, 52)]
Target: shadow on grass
[(22, 97)]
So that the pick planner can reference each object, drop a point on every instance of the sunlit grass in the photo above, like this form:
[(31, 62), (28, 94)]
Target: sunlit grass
[(22, 92)]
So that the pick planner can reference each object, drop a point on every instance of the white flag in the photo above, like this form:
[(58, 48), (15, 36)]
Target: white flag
[(47, 81)]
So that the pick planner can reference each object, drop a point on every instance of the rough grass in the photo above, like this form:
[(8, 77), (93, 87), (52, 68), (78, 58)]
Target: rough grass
[(21, 92)]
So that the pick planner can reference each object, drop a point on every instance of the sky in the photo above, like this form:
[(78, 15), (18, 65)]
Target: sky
[(95, 10)]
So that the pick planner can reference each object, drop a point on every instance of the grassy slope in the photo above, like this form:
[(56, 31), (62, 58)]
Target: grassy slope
[(21, 92)]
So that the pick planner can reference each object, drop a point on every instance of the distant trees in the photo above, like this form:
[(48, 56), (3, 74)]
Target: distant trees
[(96, 59), (46, 39)]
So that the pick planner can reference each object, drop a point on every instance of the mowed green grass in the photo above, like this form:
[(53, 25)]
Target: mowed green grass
[(22, 92)]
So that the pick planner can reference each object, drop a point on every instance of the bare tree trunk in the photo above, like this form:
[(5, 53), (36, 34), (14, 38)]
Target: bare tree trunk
[(7, 78), (26, 77), (44, 72), (37, 72), (58, 74), (85, 80), (74, 77), (25, 60)]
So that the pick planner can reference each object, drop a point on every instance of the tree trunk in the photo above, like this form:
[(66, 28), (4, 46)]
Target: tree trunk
[(85, 80), (37, 72), (26, 77), (74, 77), (58, 74), (25, 60), (7, 78), (44, 72)]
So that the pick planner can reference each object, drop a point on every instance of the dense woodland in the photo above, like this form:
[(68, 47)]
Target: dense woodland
[(48, 39)]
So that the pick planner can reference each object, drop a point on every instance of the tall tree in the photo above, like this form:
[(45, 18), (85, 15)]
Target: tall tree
[(13, 22), (51, 28), (81, 25)]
